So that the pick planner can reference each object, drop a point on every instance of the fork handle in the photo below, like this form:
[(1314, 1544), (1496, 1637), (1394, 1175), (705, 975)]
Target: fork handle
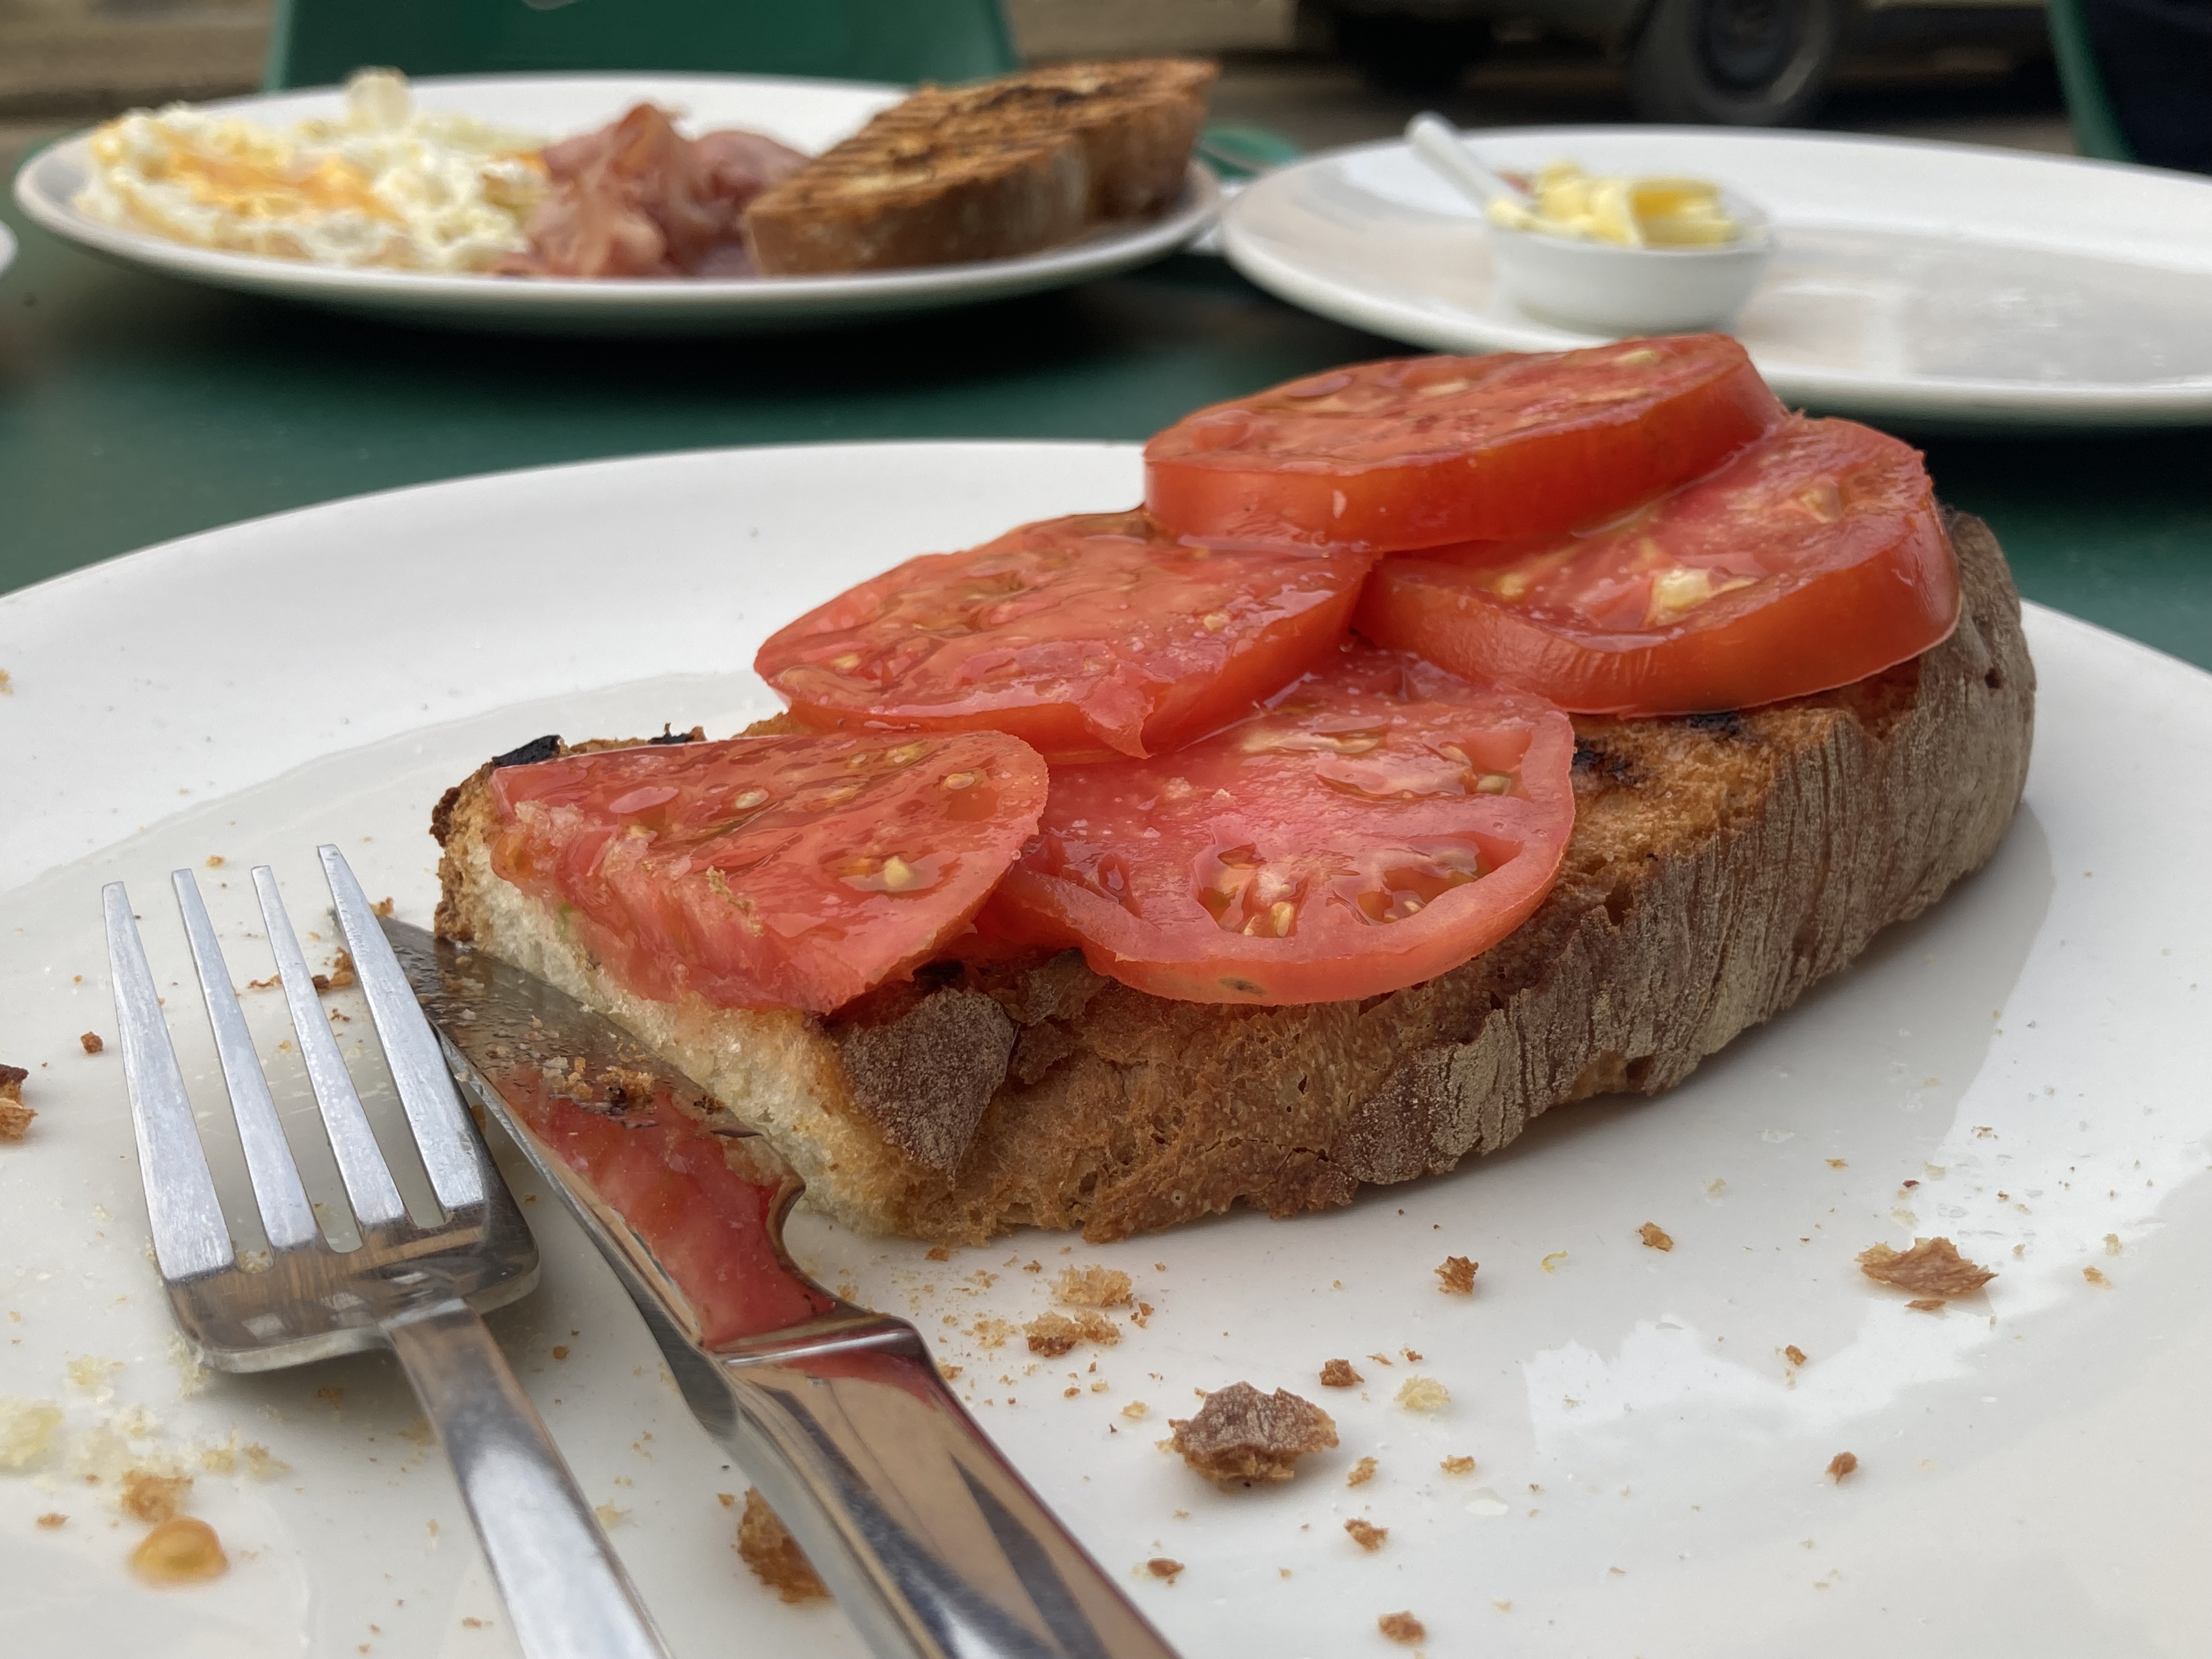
[(566, 1595)]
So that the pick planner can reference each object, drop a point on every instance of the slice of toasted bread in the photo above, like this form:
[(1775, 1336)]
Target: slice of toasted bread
[(1720, 866), (989, 171)]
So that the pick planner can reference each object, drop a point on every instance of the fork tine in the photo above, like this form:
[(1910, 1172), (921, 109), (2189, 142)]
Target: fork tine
[(190, 1235), (443, 1130), (285, 1211), (376, 1200)]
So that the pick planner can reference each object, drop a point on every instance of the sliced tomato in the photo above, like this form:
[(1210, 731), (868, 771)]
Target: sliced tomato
[(1085, 636), (1381, 823), (1811, 561), (1424, 450), (769, 873)]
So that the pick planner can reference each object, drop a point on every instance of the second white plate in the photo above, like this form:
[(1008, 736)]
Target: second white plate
[(1940, 282), (808, 115)]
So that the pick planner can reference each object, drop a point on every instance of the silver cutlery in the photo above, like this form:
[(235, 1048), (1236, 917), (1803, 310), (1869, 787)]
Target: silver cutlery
[(415, 1286), (930, 1541)]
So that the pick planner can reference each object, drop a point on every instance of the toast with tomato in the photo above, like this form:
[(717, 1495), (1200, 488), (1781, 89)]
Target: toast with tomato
[(1719, 865), (1099, 877), (988, 171)]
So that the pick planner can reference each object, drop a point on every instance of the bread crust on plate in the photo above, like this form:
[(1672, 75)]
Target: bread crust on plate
[(1720, 866)]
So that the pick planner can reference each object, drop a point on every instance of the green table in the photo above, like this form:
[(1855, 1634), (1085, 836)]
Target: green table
[(134, 408)]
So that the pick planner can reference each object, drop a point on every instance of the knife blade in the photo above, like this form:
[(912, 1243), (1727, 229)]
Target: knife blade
[(930, 1541)]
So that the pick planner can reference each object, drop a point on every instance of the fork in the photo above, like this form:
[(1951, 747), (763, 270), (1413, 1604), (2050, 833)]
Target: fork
[(412, 1287)]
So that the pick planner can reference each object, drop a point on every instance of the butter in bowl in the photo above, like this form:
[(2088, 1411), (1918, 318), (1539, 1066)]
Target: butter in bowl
[(1609, 254)]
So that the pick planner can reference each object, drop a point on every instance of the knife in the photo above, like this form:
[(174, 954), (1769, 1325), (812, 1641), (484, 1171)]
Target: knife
[(929, 1540)]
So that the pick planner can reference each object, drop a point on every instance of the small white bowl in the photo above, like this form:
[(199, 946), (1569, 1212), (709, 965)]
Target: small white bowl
[(1597, 288)]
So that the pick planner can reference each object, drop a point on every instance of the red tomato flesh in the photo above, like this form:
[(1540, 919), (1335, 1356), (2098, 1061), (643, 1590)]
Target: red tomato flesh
[(769, 873), (706, 1223), (1086, 637), (1381, 823), (1810, 561), (1424, 450)]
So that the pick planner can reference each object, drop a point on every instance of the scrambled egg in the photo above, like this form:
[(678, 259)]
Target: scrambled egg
[(1627, 212), (381, 185)]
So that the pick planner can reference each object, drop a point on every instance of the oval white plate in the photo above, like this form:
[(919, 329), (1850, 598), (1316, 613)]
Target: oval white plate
[(809, 115), (2030, 1053), (1942, 281)]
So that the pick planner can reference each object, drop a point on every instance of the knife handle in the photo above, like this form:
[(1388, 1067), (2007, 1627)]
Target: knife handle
[(930, 1543)]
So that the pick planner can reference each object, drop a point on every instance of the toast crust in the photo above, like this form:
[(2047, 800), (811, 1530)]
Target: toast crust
[(1720, 866), (992, 170)]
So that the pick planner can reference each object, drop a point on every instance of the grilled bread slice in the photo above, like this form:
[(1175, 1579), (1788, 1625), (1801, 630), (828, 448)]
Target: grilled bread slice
[(988, 171), (1720, 865)]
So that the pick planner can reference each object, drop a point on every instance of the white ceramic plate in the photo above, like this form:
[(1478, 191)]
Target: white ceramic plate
[(808, 115), (7, 248), (2030, 1053), (1941, 282)]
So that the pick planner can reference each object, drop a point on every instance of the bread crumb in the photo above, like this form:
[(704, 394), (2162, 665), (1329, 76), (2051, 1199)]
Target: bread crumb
[(14, 1116), (1793, 1354), (610, 1516), (937, 1253), (1652, 1235), (1927, 1305), (773, 1556), (1362, 1473), (1241, 1435), (1339, 1374), (1841, 1464), (1092, 1287), (2111, 1243), (991, 1332), (1366, 1533), (151, 1496), (2095, 1277), (1412, 1357), (1837, 1164), (27, 1429), (341, 975), (1161, 1567), (1403, 1628), (1457, 1273), (53, 1519), (1933, 1267), (1381, 1358), (1054, 1333), (728, 1500), (91, 1042), (1551, 1263), (179, 1550), (1457, 1465), (91, 1370), (1136, 1410), (382, 907), (1032, 1267), (1424, 1394)]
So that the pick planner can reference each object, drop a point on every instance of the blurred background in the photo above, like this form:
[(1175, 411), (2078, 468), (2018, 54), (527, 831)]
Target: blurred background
[(1321, 71)]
